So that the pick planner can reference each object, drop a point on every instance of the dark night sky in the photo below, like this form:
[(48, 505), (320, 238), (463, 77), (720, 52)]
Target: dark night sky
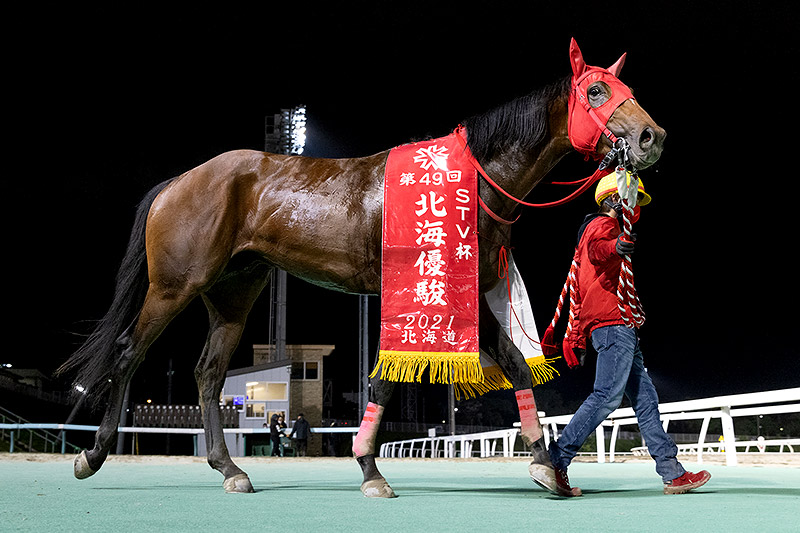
[(104, 105)]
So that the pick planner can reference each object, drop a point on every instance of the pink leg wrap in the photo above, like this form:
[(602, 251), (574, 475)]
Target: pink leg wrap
[(531, 430), (364, 443)]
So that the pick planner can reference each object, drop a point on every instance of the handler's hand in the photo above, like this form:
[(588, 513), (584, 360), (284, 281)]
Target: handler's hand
[(624, 247)]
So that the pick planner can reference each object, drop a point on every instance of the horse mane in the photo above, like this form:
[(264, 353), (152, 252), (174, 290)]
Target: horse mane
[(521, 122)]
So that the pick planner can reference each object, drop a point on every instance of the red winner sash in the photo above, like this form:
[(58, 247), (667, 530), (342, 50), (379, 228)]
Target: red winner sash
[(429, 291)]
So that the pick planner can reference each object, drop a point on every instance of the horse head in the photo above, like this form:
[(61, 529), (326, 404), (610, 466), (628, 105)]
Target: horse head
[(602, 109)]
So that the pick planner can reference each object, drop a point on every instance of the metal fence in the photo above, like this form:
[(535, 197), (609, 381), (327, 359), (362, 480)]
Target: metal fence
[(31, 437), (724, 407)]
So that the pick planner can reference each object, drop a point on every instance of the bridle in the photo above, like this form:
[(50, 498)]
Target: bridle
[(586, 123), (585, 127)]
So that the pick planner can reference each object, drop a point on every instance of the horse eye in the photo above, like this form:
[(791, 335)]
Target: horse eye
[(595, 91)]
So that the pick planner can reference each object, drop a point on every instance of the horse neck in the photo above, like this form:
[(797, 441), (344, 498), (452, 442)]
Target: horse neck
[(518, 171)]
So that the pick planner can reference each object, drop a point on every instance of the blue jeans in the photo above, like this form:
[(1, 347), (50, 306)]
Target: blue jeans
[(620, 370)]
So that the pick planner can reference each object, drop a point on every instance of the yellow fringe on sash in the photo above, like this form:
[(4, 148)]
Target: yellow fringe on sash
[(542, 371), (443, 367), (462, 370)]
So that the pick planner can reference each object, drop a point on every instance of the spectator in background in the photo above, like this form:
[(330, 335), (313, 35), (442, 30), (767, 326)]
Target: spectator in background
[(275, 434), (301, 433)]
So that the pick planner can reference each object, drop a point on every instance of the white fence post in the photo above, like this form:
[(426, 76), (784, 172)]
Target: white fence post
[(601, 443), (614, 433), (729, 436), (702, 439)]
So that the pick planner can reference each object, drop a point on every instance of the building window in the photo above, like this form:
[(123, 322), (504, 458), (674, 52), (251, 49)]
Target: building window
[(307, 370), (267, 391), (256, 410)]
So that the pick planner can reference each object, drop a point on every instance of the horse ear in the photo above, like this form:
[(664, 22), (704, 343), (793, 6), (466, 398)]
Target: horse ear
[(616, 67), (576, 58)]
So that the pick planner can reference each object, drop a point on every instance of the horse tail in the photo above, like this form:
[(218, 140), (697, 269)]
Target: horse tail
[(93, 362)]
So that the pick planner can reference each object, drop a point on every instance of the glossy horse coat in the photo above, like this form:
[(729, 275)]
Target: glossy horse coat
[(219, 230)]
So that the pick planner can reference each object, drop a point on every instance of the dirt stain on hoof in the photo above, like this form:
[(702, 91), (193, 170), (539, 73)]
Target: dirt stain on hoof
[(377, 488), (238, 484), (81, 466)]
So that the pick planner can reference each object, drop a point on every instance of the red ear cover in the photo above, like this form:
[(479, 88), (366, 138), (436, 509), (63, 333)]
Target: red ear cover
[(576, 59), (586, 126), (617, 67)]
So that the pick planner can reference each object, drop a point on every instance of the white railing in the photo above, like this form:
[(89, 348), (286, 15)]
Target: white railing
[(172, 431), (760, 446), (448, 446), (725, 408)]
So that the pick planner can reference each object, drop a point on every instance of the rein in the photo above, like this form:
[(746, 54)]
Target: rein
[(619, 146), (627, 299)]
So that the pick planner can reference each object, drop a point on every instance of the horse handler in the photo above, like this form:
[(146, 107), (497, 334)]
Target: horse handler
[(620, 367)]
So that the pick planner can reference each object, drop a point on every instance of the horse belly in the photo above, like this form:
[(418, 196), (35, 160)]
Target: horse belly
[(329, 250)]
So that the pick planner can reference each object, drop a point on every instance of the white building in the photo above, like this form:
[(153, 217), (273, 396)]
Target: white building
[(288, 387)]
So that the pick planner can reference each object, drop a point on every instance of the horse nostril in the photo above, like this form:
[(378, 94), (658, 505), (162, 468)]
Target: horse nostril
[(646, 138)]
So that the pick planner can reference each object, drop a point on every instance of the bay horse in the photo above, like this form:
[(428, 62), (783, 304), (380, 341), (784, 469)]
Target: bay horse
[(219, 231)]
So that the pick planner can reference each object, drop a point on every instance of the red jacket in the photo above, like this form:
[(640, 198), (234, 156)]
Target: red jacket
[(598, 275)]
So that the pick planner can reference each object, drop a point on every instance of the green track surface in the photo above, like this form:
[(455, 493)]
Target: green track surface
[(184, 494)]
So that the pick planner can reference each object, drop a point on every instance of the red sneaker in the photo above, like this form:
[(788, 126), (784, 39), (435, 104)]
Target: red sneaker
[(554, 480), (687, 482), (564, 488)]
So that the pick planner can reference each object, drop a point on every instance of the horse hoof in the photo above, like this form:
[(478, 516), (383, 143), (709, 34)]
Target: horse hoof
[(544, 476), (81, 466), (239, 483), (377, 488)]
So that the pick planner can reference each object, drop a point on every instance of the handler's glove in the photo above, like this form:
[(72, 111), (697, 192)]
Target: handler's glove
[(625, 247), (581, 354)]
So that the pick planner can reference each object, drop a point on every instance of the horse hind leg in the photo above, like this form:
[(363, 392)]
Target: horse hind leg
[(157, 311), (374, 484), (228, 302)]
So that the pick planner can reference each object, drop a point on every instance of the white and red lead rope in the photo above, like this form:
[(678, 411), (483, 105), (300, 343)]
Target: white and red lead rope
[(627, 298), (570, 289)]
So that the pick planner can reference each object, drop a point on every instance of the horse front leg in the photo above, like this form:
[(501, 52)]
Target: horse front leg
[(374, 484), (502, 349)]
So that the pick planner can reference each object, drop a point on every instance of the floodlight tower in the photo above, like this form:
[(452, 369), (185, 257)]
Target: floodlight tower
[(285, 133)]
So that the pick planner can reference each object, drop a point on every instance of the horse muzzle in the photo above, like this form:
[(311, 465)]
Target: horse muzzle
[(646, 146)]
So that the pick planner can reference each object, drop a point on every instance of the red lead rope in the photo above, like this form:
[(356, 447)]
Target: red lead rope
[(502, 272), (586, 183)]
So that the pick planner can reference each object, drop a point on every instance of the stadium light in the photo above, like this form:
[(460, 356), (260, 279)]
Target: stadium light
[(298, 130)]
